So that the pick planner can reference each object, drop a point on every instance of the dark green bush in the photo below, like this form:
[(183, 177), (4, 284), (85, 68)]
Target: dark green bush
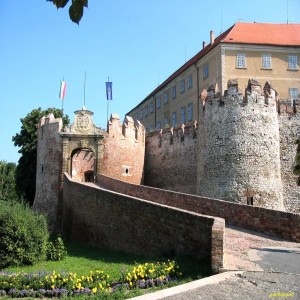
[(56, 249), (23, 235)]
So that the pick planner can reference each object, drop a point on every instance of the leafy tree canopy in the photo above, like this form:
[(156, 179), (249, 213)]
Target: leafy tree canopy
[(75, 10), (7, 181), (27, 141)]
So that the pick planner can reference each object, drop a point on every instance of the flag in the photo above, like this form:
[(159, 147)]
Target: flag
[(62, 92), (108, 90)]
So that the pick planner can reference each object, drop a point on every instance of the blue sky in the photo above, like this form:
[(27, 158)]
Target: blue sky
[(137, 43)]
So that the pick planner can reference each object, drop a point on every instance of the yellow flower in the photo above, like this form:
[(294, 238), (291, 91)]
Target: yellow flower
[(94, 290)]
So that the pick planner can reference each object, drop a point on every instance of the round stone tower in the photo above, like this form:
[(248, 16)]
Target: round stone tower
[(238, 156)]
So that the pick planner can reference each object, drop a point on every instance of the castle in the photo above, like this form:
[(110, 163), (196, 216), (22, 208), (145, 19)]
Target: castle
[(234, 165), (242, 149)]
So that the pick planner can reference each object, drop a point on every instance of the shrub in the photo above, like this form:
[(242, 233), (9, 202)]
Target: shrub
[(23, 234), (56, 249)]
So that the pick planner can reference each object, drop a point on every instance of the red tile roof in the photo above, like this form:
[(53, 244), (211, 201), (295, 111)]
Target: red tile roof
[(243, 33), (265, 34)]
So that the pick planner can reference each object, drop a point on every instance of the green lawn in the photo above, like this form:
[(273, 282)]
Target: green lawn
[(82, 259)]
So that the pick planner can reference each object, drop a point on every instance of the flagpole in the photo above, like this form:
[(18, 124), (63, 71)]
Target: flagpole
[(107, 102), (62, 103), (84, 89)]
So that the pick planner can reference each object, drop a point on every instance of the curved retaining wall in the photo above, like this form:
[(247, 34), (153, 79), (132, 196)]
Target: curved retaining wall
[(102, 217), (274, 222)]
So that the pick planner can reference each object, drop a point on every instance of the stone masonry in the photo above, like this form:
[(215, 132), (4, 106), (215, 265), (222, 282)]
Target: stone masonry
[(83, 151), (242, 149)]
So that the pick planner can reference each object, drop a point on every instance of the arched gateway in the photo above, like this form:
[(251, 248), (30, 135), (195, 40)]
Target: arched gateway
[(84, 150)]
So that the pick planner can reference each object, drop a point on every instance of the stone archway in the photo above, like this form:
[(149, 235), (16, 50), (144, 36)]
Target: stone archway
[(83, 164)]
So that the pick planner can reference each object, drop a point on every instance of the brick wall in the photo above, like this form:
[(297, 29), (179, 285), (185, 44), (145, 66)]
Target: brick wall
[(273, 222), (105, 218), (124, 150)]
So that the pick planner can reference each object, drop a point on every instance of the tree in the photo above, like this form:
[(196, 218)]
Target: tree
[(27, 141), (75, 10), (7, 181)]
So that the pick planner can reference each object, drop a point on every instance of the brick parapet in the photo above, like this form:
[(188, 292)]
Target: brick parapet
[(130, 224), (274, 222)]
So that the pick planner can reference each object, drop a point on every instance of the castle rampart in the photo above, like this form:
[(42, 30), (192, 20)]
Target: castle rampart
[(273, 222), (171, 159), (238, 150), (242, 149), (289, 129), (118, 221), (48, 179)]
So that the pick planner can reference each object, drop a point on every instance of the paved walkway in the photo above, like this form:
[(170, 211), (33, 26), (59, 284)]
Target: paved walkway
[(254, 257), (247, 250)]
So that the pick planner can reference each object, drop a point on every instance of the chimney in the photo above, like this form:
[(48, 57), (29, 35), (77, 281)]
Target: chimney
[(203, 44), (212, 37)]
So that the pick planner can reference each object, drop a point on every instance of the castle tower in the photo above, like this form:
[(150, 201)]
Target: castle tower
[(238, 146)]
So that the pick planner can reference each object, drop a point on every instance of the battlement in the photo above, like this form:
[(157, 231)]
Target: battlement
[(129, 129), (255, 96), (50, 119)]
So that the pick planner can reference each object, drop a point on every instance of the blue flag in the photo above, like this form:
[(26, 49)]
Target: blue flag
[(108, 90)]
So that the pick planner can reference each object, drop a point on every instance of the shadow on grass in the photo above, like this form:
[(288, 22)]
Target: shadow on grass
[(191, 268)]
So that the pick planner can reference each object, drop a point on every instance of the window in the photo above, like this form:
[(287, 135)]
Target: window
[(151, 107), (182, 115), (166, 98), (158, 125), (240, 60), (136, 116), (249, 200), (292, 62), (266, 61), (190, 112), (141, 114), (189, 82), (293, 93), (174, 118), (146, 111), (166, 121), (158, 102), (182, 86), (173, 91), (205, 71)]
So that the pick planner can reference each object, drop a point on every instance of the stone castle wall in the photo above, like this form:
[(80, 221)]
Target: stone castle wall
[(171, 159), (241, 150), (289, 129), (238, 148), (118, 221), (48, 173)]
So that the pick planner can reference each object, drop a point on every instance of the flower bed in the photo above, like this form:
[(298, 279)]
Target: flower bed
[(55, 284)]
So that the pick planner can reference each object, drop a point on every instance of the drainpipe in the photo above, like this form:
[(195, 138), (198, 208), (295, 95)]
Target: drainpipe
[(154, 112), (197, 95)]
